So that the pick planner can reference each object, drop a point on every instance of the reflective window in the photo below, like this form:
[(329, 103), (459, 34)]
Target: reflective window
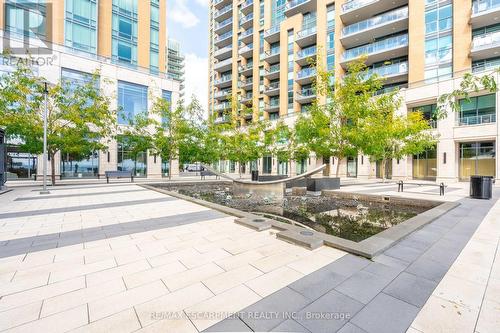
[(129, 159), (124, 31), (81, 25), (477, 158), (132, 100)]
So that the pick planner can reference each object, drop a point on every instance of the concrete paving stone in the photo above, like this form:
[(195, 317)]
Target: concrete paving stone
[(385, 271), (452, 317), (462, 292), (41, 293), (179, 325), (212, 310), (116, 272), (411, 289), (310, 263), (149, 275), (363, 286), (125, 321), (290, 325), (428, 268), (230, 279), (273, 310), (192, 276), (20, 315), (470, 272), (351, 328), (24, 284), (58, 323), (317, 283), (348, 265), (69, 300), (385, 314), (404, 253), (390, 261), (489, 317), (205, 258), (241, 259), (233, 324), (268, 283), (171, 306), (124, 300), (329, 313), (82, 270), (172, 256), (274, 261)]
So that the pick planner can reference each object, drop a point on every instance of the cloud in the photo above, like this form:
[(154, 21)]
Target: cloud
[(196, 79), (203, 3), (181, 13)]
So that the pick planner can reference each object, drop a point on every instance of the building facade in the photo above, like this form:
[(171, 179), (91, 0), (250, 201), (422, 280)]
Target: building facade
[(175, 64), (125, 40), (259, 53)]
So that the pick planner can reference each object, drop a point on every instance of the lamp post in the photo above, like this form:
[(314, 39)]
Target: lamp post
[(46, 93)]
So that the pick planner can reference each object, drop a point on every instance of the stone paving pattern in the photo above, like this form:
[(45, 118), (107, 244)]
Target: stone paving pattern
[(383, 295)]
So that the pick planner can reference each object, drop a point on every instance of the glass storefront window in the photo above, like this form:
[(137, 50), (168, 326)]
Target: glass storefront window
[(425, 165), (130, 159), (165, 168), (267, 164), (20, 165), (301, 166), (74, 166), (352, 167), (283, 168), (132, 100), (477, 158)]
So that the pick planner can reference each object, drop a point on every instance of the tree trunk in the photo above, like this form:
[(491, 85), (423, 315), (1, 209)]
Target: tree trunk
[(169, 167), (338, 167), (384, 161), (53, 169)]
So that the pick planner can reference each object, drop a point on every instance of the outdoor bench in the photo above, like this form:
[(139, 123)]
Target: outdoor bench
[(442, 186), (119, 174)]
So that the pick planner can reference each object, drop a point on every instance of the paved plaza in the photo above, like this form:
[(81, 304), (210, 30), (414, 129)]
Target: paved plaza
[(122, 258)]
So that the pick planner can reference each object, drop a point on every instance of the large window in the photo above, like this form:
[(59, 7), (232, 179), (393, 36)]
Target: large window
[(267, 164), (425, 165), (129, 159), (155, 37), (79, 166), (74, 79), (301, 166), (477, 110), (132, 100), (477, 158), (81, 25), (352, 166), (429, 113), (17, 11), (124, 30)]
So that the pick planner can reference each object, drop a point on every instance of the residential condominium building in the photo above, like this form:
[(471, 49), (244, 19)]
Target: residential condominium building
[(175, 63), (260, 53), (125, 40)]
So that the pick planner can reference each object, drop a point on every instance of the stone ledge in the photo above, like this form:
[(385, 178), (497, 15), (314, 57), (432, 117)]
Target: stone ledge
[(264, 223), (305, 238)]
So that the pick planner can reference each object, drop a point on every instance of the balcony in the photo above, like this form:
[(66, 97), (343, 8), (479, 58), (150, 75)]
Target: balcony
[(485, 46), (485, 12), (246, 36), (477, 120), (391, 47), (392, 73), (273, 72), (358, 10), (224, 82), (247, 7), (224, 39), (272, 34), (246, 84), (273, 105), (272, 89), (272, 56), (222, 120), (223, 53), (246, 69), (245, 99), (224, 66), (305, 96), (306, 56), (224, 26), (222, 94), (246, 21), (294, 7), (246, 51), (306, 75), (218, 4), (306, 36), (222, 106), (223, 13), (375, 27)]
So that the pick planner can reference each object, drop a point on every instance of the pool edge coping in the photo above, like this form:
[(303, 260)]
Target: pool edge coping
[(367, 248)]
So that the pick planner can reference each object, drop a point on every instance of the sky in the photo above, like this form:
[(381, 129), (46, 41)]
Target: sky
[(188, 24)]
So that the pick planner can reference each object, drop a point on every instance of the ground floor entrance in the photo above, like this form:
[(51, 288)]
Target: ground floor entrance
[(424, 165), (476, 158)]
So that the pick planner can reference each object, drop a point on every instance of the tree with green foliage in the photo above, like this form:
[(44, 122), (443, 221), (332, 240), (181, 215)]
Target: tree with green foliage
[(385, 135), (332, 129), (80, 120)]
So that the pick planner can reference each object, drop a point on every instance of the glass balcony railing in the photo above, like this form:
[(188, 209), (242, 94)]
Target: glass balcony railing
[(388, 70), (308, 52), (223, 106), (388, 17), (223, 50), (247, 66), (223, 63), (247, 18), (476, 120), (272, 86), (223, 10), (355, 4), (246, 33), (480, 6), (308, 92), (306, 72), (244, 83), (228, 34), (376, 47), (221, 120), (246, 48), (273, 51), (294, 3), (246, 4), (222, 93), (272, 30), (247, 97), (273, 103), (306, 32), (273, 69), (223, 79), (219, 25), (486, 40)]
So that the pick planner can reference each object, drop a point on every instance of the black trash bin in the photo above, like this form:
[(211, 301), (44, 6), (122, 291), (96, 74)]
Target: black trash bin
[(255, 175), (481, 187)]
